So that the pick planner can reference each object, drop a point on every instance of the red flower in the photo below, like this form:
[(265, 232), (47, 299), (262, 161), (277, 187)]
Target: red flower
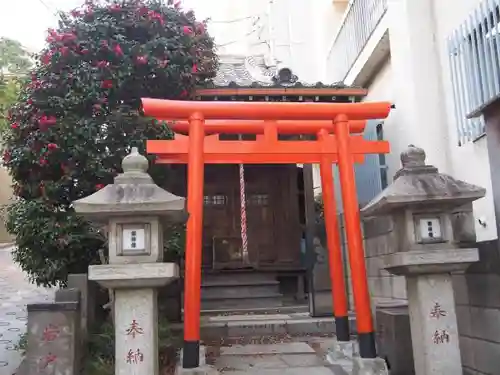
[(68, 37), (155, 16), (64, 51), (163, 63), (64, 168), (14, 125), (194, 69), (107, 84), (99, 186), (44, 120), (6, 156), (52, 146), (118, 50), (142, 60), (115, 8), (47, 58), (102, 64), (29, 101), (184, 93), (43, 161), (85, 51), (187, 30)]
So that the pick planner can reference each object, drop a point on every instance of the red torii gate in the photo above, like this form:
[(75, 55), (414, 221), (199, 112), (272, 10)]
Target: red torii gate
[(333, 124)]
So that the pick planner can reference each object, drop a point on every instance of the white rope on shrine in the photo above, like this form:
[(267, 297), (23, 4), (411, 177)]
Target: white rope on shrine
[(243, 214)]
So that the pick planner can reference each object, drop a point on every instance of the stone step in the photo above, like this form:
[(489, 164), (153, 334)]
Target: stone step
[(242, 301), (239, 291), (237, 283), (258, 311), (294, 324), (233, 277)]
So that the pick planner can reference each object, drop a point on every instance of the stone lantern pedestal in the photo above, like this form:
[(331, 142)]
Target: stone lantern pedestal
[(431, 305), (421, 202), (134, 209)]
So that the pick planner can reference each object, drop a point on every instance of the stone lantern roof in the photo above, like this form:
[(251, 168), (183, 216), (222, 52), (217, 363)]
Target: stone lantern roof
[(132, 193), (419, 185)]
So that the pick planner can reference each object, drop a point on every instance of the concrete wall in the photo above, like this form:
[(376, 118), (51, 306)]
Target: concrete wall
[(381, 240)]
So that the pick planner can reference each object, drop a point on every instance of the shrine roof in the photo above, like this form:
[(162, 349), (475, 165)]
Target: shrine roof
[(251, 76)]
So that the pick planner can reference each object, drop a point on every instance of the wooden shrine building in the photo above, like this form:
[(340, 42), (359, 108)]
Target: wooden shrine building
[(274, 213)]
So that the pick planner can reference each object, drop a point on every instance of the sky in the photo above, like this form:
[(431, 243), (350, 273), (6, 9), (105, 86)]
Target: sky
[(28, 20)]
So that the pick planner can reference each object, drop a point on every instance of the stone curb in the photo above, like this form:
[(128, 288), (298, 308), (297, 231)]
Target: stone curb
[(293, 327)]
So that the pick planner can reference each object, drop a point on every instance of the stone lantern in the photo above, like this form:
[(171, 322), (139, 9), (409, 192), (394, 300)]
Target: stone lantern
[(421, 202), (134, 209)]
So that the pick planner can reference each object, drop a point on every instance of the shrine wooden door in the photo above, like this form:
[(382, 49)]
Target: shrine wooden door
[(273, 223)]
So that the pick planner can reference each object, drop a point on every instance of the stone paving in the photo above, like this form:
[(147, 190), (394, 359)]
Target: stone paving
[(15, 293), (292, 358)]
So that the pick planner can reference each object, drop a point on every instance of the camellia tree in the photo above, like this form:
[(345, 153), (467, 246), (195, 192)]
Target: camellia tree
[(79, 114)]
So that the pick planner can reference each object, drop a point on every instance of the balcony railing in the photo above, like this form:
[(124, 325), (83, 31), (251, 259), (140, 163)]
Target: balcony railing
[(360, 20)]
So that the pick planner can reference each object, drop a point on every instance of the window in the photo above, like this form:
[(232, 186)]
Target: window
[(474, 57), (215, 200), (381, 157)]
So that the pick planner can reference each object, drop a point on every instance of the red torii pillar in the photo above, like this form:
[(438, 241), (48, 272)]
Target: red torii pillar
[(197, 113)]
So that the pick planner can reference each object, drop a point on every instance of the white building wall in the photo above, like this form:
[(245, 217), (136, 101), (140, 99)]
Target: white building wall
[(380, 89), (469, 162), (406, 83), (287, 31)]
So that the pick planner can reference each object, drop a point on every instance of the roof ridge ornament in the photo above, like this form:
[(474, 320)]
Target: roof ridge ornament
[(413, 157), (135, 162), (413, 162)]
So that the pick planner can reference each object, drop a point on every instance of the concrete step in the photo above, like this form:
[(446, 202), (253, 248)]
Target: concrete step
[(242, 301), (258, 311), (235, 277), (293, 324), (216, 290)]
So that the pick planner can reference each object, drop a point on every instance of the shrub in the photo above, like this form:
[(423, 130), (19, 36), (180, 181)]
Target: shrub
[(78, 114)]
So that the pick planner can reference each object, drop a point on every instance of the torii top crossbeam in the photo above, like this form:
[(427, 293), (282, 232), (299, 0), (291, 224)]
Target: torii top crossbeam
[(267, 121), (182, 110)]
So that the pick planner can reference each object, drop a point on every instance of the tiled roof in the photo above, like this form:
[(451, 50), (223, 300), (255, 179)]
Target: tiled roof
[(252, 72)]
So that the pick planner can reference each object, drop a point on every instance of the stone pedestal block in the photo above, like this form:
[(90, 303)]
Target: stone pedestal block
[(53, 338), (434, 325), (369, 366), (431, 304), (136, 325), (342, 354), (394, 339)]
